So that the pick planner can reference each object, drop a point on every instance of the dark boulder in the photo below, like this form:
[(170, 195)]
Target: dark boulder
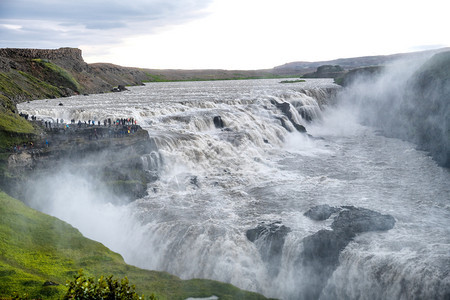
[(283, 123), (321, 212), (319, 259), (357, 220), (320, 256), (285, 108), (300, 128), (269, 239), (218, 122), (119, 88)]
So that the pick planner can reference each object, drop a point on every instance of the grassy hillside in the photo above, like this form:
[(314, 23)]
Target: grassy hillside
[(20, 86), (37, 248)]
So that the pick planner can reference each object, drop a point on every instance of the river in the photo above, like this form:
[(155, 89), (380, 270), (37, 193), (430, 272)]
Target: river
[(216, 183)]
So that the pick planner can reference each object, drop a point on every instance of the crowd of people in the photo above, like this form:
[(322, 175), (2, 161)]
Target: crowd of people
[(111, 129), (26, 117), (60, 122), (85, 124)]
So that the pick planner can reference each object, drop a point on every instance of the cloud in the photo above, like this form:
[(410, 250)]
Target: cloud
[(63, 23), (427, 47), (228, 34)]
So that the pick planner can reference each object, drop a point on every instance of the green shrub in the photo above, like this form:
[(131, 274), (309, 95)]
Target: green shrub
[(103, 288)]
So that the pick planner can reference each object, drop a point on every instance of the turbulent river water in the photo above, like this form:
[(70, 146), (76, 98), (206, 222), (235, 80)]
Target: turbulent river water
[(216, 183)]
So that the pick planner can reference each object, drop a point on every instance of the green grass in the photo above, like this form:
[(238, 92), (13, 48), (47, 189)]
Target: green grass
[(14, 130), (11, 88), (20, 86), (10, 122), (44, 86), (155, 78), (35, 248), (73, 83)]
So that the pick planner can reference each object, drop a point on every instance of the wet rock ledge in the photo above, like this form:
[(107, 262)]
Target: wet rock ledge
[(320, 256), (112, 156)]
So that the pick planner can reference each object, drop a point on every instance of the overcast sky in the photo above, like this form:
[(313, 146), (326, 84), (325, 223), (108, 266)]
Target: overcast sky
[(226, 34)]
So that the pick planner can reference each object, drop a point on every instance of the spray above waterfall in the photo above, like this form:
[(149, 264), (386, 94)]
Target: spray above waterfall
[(408, 99)]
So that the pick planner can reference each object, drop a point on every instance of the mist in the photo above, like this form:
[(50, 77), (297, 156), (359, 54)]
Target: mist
[(80, 199), (408, 99)]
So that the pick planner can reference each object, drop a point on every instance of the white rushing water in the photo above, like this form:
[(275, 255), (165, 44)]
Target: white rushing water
[(215, 184)]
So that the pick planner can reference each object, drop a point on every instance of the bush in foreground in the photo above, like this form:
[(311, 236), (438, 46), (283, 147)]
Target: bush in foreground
[(104, 288)]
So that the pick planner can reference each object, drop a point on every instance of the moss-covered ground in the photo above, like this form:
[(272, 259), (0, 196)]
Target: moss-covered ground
[(59, 74), (19, 86)]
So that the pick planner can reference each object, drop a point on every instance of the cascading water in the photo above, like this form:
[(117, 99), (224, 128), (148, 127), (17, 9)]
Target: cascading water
[(214, 184)]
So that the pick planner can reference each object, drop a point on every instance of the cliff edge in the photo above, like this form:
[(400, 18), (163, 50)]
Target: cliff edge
[(28, 74)]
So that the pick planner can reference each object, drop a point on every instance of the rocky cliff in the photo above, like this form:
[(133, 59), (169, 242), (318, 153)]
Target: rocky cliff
[(51, 54), (428, 109), (409, 102), (111, 156), (27, 74)]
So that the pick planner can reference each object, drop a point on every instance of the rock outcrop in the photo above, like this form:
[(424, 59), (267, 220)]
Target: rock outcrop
[(285, 108), (52, 54), (326, 71), (409, 101), (269, 239), (426, 108), (110, 155), (320, 256), (321, 212)]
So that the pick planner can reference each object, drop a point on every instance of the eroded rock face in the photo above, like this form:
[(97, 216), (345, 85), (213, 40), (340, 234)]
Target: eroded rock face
[(269, 239), (285, 108), (112, 156), (320, 256), (65, 53)]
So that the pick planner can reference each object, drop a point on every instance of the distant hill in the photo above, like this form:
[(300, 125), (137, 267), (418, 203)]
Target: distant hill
[(303, 67)]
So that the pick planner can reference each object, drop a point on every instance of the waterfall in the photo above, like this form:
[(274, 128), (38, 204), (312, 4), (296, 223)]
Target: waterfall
[(214, 181)]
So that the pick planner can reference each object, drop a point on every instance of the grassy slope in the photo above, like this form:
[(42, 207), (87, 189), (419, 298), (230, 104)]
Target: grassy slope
[(36, 248), (19, 85)]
